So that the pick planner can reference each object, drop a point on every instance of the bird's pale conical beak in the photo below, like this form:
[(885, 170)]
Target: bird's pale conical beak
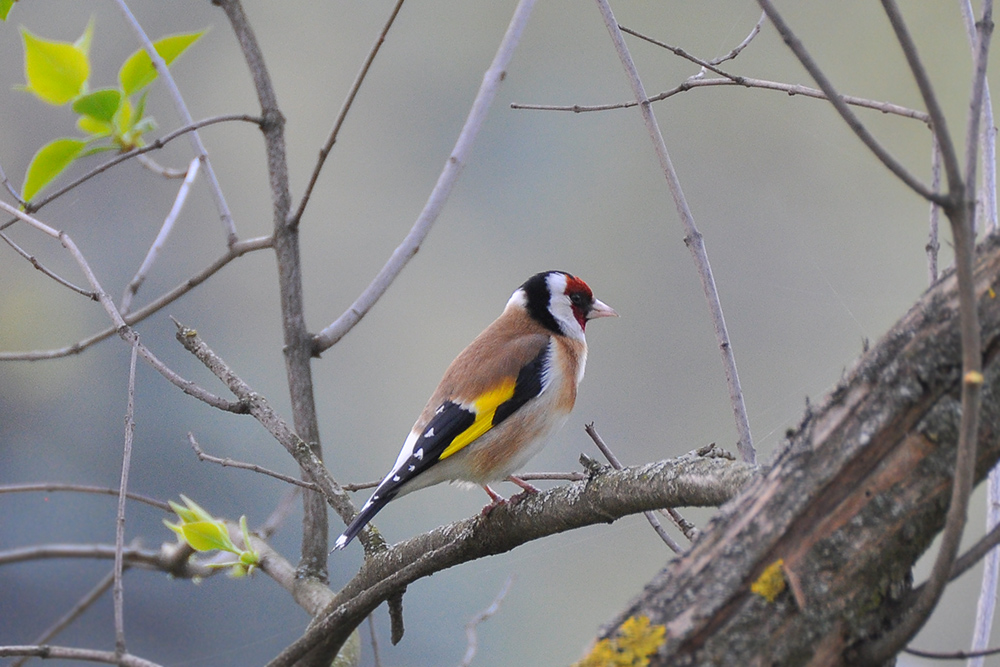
[(600, 309)]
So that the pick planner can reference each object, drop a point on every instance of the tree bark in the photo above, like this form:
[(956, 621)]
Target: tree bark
[(854, 497)]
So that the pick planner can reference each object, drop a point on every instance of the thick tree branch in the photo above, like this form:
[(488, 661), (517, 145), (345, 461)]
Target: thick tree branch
[(298, 342), (854, 498), (607, 495)]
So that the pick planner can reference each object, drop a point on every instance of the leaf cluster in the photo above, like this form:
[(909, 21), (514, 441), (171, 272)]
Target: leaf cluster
[(111, 118)]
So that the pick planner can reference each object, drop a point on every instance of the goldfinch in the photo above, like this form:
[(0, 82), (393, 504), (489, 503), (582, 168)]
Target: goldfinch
[(501, 399)]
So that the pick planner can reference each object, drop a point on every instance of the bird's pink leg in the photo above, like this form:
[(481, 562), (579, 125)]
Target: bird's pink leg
[(496, 500), (530, 488)]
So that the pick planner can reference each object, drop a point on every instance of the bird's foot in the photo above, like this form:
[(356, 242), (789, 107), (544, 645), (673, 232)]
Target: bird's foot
[(496, 500)]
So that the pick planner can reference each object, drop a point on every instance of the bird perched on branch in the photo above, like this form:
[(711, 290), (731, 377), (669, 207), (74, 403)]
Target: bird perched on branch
[(501, 399)]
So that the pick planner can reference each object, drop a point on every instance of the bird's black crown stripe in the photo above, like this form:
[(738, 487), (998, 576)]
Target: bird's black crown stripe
[(536, 289)]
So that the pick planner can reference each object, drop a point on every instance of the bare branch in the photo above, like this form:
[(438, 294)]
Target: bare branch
[(234, 252), (442, 189), (41, 267), (988, 195), (471, 634), (66, 619), (693, 238), (616, 464), (160, 170), (228, 462), (295, 334), (156, 145), (351, 94), (954, 655), (161, 238), (49, 487), (272, 422), (949, 157), (604, 497), (845, 112), (10, 188), (731, 80), (744, 44), (196, 144), (71, 653), (119, 603), (961, 213), (933, 243)]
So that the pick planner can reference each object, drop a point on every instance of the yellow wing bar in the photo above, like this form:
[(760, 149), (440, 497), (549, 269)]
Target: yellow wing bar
[(485, 408)]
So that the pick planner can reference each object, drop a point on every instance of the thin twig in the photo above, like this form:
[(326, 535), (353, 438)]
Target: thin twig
[(348, 102), (155, 145), (161, 238), (986, 605), (228, 462), (374, 639), (117, 591), (933, 243), (472, 627), (66, 619), (120, 326), (297, 340), (788, 88), (617, 465), (158, 169), (692, 237), (41, 267), (278, 514), (10, 187), (845, 112), (73, 653), (196, 144), (954, 655), (744, 44), (236, 251), (50, 487), (988, 195), (280, 429), (960, 208), (442, 189)]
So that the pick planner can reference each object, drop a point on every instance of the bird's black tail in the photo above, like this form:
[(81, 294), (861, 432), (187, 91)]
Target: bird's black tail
[(367, 513)]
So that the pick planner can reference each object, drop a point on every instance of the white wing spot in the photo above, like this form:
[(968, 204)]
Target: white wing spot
[(375, 497), (430, 433), (411, 468), (440, 409), (419, 454), (395, 478)]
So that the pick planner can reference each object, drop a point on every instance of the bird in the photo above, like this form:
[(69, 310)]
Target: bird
[(501, 399)]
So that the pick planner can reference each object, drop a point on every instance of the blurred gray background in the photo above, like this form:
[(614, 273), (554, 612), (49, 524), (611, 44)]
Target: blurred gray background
[(814, 245)]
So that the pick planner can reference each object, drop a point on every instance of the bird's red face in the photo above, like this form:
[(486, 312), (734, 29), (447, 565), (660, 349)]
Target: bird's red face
[(585, 306)]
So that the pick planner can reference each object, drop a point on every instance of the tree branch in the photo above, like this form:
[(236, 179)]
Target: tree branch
[(692, 238), (606, 496), (494, 75), (298, 342)]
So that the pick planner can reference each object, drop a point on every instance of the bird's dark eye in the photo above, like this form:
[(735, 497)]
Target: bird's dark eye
[(578, 299)]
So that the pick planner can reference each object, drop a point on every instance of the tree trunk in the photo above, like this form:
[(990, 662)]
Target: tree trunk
[(855, 495)]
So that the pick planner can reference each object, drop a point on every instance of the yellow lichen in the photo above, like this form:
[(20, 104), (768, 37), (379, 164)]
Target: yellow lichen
[(771, 583), (637, 641)]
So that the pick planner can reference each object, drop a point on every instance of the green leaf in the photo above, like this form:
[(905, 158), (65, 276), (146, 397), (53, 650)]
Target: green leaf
[(50, 161), (95, 128), (208, 536), (84, 40), (55, 71), (99, 105), (137, 71), (5, 6)]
